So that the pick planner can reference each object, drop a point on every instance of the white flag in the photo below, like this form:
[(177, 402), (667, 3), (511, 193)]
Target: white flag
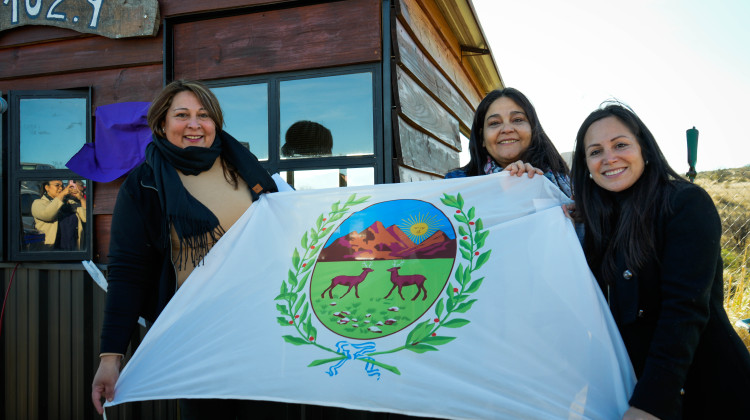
[(464, 298)]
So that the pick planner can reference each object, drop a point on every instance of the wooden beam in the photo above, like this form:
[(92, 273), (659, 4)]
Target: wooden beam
[(413, 60), (422, 152), (75, 55), (441, 52), (424, 112), (316, 36), (109, 86)]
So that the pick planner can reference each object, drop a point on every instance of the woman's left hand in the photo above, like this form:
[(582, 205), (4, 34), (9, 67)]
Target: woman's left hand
[(570, 211), (519, 168)]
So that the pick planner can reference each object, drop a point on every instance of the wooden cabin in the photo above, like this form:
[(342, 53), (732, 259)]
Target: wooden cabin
[(395, 82)]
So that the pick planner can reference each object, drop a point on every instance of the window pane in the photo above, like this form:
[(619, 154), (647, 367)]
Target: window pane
[(53, 215), (359, 176), (327, 116), (52, 131), (464, 156), (245, 111), (329, 178)]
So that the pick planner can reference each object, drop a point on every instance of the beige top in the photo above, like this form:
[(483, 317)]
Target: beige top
[(212, 189)]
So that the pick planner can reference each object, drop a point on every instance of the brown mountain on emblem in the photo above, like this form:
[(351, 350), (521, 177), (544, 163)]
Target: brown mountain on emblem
[(380, 243)]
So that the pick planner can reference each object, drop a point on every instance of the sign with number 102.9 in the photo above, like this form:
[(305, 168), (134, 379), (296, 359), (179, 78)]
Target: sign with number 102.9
[(110, 18)]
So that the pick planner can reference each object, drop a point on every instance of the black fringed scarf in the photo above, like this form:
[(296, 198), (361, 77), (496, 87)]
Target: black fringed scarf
[(196, 226)]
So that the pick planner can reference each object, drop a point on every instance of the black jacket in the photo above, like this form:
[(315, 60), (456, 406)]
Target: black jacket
[(689, 361), (141, 276)]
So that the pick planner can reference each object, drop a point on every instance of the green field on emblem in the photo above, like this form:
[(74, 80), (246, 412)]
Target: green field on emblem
[(371, 315)]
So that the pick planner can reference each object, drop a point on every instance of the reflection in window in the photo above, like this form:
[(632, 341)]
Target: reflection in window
[(52, 131), (341, 105), (53, 215), (245, 111), (329, 178)]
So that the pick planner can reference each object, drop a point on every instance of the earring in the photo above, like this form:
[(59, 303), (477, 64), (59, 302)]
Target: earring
[(646, 161), (591, 175)]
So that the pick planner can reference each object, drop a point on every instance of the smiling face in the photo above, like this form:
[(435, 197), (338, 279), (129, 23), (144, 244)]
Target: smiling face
[(187, 122), (506, 131), (613, 154)]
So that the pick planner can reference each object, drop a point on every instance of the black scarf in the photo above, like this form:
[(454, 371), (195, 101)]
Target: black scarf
[(196, 226)]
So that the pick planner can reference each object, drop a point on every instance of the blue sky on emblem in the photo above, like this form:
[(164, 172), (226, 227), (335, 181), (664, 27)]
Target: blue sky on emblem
[(418, 219)]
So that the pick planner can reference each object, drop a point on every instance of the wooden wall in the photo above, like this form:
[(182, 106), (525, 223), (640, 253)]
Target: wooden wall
[(435, 92), (50, 338), (315, 36), (257, 42), (50, 346)]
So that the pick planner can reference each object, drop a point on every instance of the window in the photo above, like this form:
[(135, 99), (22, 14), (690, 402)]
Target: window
[(47, 203), (317, 130)]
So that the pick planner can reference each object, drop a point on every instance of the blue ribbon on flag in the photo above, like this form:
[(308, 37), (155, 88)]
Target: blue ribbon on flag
[(360, 352)]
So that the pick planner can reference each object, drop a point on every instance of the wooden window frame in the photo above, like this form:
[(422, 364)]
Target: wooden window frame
[(12, 168), (275, 164)]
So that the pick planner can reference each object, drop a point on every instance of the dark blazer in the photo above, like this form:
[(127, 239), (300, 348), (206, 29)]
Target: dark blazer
[(689, 361), (140, 273)]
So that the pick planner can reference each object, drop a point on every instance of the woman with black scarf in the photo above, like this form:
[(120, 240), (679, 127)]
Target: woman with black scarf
[(196, 182)]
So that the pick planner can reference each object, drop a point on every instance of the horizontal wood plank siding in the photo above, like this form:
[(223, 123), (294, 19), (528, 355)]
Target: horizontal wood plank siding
[(418, 106), (84, 54), (109, 86), (183, 7), (410, 175), (322, 35), (36, 34), (442, 52), (413, 60), (437, 92), (420, 151)]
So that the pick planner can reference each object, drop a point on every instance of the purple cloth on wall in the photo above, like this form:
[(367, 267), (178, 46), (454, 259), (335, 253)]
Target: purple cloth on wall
[(121, 136)]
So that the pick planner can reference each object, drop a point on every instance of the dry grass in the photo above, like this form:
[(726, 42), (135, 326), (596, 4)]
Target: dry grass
[(737, 296), (730, 190)]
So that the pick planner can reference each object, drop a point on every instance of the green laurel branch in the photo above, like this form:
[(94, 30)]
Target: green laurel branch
[(294, 307)]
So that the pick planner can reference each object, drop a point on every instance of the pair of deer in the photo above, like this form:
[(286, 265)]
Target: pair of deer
[(397, 280)]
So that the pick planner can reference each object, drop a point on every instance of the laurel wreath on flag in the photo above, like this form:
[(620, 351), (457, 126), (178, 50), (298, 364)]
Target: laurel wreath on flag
[(295, 308)]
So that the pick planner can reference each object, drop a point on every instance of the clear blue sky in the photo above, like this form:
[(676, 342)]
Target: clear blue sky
[(677, 63)]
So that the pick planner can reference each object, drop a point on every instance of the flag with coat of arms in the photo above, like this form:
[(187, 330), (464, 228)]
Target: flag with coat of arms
[(463, 298)]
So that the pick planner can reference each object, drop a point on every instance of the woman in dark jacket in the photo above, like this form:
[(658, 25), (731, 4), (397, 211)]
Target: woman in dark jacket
[(652, 241), (197, 180)]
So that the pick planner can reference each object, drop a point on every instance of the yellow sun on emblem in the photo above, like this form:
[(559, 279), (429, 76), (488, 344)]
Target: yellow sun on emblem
[(418, 229), (420, 226)]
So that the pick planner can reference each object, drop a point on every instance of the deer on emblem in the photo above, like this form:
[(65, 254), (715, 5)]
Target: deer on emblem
[(351, 281), (407, 280)]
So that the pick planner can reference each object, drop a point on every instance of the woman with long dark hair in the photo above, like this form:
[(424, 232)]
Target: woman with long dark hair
[(652, 240), (506, 135)]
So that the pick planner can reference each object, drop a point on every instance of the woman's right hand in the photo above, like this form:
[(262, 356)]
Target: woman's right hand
[(105, 380), (519, 168)]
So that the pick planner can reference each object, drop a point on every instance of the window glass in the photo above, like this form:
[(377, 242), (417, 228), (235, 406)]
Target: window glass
[(52, 130), (326, 116), (53, 215), (329, 178), (464, 156), (245, 109)]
